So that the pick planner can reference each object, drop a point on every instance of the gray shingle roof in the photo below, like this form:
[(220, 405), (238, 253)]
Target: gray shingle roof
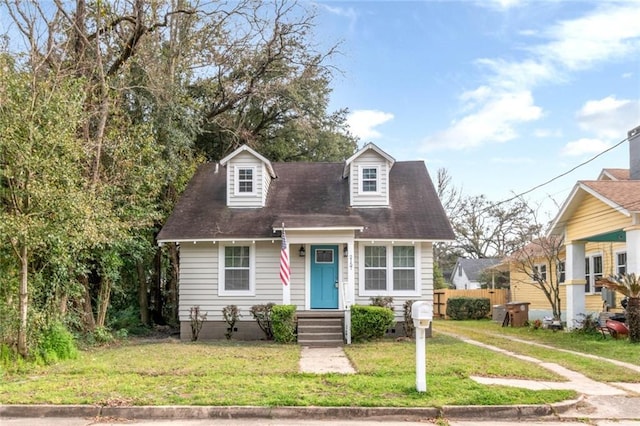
[(473, 267), (310, 195)]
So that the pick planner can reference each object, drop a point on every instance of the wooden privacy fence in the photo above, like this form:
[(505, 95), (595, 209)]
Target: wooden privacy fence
[(440, 298)]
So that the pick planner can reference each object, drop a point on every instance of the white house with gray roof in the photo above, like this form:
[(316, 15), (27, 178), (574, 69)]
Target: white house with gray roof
[(468, 272), (356, 229)]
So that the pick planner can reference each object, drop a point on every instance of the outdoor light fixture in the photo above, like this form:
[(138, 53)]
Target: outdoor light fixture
[(345, 251), (301, 252)]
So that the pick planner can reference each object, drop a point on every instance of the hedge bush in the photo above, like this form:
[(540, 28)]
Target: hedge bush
[(464, 308), (283, 323), (57, 344), (370, 322)]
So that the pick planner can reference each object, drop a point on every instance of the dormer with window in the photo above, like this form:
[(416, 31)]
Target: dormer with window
[(249, 176), (368, 173)]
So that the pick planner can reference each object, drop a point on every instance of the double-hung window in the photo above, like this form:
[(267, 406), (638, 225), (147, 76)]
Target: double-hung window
[(245, 181), (561, 271), (389, 270), (592, 273), (621, 263), (540, 272), (369, 177), (236, 271), (375, 268), (404, 268)]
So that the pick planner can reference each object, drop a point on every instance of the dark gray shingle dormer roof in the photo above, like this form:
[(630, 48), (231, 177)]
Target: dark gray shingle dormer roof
[(310, 195), (473, 267)]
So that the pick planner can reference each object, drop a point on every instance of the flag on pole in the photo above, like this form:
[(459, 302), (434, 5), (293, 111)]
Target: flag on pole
[(285, 268)]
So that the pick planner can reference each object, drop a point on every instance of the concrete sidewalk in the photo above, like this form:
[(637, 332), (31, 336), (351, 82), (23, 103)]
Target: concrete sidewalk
[(325, 360), (600, 401)]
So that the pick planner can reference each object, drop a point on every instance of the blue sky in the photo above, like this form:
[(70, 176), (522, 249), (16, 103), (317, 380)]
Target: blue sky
[(504, 94)]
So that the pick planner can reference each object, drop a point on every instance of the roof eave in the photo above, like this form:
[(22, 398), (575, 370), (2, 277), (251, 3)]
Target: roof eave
[(558, 224), (248, 149)]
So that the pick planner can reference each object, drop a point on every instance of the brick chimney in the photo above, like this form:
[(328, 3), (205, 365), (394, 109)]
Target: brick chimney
[(634, 153)]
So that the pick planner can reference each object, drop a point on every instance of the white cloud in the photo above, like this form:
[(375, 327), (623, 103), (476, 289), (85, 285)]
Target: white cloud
[(349, 13), (500, 4), (512, 160), (493, 121), (584, 146), (522, 75), (547, 133), (362, 122), (609, 32), (609, 118)]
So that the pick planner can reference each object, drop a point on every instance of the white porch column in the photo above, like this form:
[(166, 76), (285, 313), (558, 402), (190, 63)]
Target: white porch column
[(633, 249), (575, 282), (350, 293)]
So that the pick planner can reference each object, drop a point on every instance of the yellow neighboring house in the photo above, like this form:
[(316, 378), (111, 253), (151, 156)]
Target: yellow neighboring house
[(603, 258), (600, 226)]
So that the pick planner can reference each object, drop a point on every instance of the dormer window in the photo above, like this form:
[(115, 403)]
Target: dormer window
[(368, 171), (369, 179), (245, 180)]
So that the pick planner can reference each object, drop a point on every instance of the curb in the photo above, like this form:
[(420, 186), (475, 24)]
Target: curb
[(506, 412), (514, 412)]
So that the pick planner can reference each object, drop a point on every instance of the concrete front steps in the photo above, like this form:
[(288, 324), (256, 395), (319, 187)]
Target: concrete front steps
[(321, 328)]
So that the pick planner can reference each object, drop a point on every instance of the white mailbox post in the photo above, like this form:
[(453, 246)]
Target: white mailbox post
[(422, 314)]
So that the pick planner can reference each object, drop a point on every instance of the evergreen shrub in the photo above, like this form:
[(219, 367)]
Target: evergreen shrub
[(283, 322), (370, 322), (465, 308)]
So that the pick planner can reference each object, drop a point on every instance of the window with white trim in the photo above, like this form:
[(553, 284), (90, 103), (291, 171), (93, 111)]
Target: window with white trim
[(245, 180), (389, 270), (236, 271), (592, 273), (621, 263), (375, 268), (369, 178), (561, 270), (540, 272), (404, 268)]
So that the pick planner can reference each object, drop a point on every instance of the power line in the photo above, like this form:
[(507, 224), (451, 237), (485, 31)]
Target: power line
[(563, 174)]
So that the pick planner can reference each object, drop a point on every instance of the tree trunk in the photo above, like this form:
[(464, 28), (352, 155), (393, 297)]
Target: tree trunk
[(87, 318), (157, 296), (143, 297), (633, 319), (104, 298), (172, 281), (23, 302)]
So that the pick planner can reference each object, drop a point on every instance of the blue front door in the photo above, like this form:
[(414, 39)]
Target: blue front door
[(324, 277)]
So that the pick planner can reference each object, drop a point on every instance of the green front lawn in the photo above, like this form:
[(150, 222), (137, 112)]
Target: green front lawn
[(593, 344), (257, 373)]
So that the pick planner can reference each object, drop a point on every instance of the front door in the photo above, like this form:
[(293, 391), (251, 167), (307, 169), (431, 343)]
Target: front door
[(324, 277)]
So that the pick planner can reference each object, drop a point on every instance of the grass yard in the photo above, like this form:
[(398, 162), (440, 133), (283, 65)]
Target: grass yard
[(496, 335), (263, 374)]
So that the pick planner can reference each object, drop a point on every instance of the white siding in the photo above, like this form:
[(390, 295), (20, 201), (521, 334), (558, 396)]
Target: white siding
[(266, 183), (425, 281), (199, 280), (369, 159), (462, 282), (261, 181)]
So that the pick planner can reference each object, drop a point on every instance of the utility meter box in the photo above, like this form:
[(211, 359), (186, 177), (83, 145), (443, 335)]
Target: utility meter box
[(422, 314)]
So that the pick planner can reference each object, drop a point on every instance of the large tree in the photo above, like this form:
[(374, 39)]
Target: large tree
[(167, 84), (483, 228), (45, 212)]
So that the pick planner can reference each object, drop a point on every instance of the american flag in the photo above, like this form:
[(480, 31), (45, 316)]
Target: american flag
[(285, 268)]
